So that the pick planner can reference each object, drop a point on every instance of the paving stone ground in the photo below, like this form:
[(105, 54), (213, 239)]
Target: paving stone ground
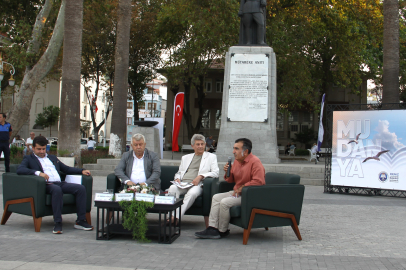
[(338, 231)]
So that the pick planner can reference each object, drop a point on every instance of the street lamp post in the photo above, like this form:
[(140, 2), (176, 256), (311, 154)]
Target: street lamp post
[(11, 81)]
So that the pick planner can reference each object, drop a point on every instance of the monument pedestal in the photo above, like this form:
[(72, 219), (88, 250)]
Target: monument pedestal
[(249, 102), (151, 137)]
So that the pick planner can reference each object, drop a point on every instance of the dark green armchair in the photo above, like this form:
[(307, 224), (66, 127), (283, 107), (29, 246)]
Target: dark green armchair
[(25, 194), (276, 204), (201, 206)]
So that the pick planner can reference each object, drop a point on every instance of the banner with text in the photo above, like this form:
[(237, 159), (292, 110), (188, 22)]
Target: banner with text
[(367, 149)]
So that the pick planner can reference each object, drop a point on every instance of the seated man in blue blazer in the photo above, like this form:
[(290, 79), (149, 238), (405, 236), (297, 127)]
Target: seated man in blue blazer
[(48, 166)]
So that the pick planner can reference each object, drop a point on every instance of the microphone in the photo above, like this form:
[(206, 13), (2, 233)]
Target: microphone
[(229, 167)]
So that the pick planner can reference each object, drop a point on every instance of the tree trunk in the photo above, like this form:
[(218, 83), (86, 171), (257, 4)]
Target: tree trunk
[(69, 125), (119, 115), (390, 93), (20, 111)]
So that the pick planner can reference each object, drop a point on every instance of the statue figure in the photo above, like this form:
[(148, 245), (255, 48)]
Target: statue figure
[(253, 17)]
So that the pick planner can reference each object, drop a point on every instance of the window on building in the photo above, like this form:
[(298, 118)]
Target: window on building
[(149, 106), (279, 121), (308, 117), (294, 128), (294, 116), (141, 106), (206, 119), (129, 120), (207, 86), (304, 128), (219, 86), (84, 111), (129, 105), (218, 119)]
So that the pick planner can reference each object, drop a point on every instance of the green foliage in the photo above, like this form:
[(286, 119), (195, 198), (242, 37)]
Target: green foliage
[(102, 148), (48, 117), (134, 218), (305, 136), (64, 153)]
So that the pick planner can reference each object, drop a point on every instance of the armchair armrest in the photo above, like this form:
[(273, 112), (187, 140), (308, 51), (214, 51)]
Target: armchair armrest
[(225, 186), (25, 186), (279, 198), (207, 194), (87, 181)]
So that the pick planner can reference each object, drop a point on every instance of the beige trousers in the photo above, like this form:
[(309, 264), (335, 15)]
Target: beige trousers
[(191, 194), (220, 210)]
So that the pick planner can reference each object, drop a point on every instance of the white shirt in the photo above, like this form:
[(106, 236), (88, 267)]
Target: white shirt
[(29, 140), (91, 143), (49, 169), (314, 149), (137, 173)]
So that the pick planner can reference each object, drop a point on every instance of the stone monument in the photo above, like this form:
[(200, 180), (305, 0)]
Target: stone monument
[(249, 96)]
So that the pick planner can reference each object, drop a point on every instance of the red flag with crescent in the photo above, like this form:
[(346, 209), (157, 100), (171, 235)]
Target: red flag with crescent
[(177, 120)]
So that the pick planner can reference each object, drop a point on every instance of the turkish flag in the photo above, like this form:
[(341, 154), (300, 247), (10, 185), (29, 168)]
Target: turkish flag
[(177, 120)]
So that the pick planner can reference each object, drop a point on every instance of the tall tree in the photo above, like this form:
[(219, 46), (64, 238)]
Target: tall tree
[(390, 93), (48, 117), (144, 51), (69, 125), (98, 46), (119, 115), (195, 34), (38, 54)]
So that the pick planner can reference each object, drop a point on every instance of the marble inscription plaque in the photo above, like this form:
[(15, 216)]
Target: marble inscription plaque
[(248, 90)]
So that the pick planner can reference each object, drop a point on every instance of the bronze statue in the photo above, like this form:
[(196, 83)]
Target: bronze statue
[(252, 27)]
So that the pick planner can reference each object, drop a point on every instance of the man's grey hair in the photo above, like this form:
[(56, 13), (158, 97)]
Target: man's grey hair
[(138, 137), (197, 137)]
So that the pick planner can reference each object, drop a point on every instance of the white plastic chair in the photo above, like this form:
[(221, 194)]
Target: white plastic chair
[(312, 155), (292, 151)]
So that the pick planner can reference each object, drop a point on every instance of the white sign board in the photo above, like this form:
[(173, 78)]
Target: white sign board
[(165, 199), (73, 179), (130, 113), (144, 197), (368, 149), (248, 89), (103, 197), (124, 197)]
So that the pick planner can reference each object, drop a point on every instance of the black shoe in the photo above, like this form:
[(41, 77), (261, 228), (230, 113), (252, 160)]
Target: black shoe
[(83, 225), (209, 233), (58, 228), (224, 234)]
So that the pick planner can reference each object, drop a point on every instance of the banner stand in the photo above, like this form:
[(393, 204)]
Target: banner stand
[(328, 139)]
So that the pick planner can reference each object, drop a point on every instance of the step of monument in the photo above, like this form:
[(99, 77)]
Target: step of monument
[(311, 182), (103, 167), (108, 161), (101, 172)]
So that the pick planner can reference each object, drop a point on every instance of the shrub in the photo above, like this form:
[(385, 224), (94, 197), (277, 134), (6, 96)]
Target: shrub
[(17, 158), (301, 152), (101, 148), (92, 156)]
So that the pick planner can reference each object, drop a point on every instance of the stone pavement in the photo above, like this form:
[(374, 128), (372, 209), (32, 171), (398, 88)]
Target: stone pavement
[(338, 231)]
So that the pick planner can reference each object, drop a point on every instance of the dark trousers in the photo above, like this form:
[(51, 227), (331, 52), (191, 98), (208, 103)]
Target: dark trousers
[(5, 148), (57, 189)]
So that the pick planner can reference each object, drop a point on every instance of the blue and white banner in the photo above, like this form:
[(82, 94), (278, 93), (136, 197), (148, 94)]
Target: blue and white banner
[(321, 129), (368, 149)]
